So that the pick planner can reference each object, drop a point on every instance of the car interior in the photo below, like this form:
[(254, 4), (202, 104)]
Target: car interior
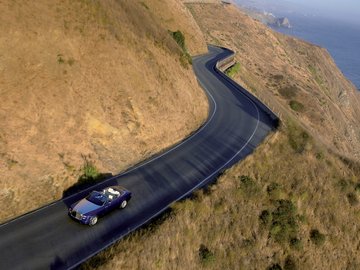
[(111, 193)]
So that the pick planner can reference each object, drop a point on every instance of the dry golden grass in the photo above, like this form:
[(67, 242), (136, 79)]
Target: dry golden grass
[(226, 218), (96, 78), (267, 210), (272, 64)]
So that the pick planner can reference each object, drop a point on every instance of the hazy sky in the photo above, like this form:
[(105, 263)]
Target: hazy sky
[(347, 9)]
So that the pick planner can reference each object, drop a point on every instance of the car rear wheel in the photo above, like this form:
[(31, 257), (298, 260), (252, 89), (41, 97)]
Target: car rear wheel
[(123, 204), (93, 221)]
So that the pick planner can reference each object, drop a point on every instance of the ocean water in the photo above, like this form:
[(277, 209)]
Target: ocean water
[(341, 39)]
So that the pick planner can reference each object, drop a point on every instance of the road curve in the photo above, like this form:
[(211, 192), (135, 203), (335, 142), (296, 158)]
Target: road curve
[(48, 239)]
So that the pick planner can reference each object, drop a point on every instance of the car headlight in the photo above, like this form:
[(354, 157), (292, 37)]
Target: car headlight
[(83, 217)]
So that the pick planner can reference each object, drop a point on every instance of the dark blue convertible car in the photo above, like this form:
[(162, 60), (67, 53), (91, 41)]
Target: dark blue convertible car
[(99, 203)]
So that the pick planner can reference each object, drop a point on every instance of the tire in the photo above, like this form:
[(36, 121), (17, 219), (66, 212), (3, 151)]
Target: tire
[(93, 221), (123, 204)]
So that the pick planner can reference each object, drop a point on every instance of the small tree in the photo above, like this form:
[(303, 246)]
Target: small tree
[(316, 237), (206, 256)]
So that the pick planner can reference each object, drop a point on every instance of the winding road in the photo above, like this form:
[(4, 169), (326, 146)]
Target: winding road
[(48, 239)]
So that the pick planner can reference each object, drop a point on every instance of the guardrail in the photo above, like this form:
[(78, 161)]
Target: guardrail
[(268, 106)]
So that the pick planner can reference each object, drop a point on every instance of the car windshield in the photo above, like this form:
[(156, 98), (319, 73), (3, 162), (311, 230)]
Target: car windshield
[(96, 197)]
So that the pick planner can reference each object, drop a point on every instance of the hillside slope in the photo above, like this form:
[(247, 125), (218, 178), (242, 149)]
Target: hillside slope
[(99, 83), (294, 203), (294, 77)]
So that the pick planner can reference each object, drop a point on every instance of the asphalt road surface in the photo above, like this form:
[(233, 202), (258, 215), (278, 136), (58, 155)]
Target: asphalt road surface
[(48, 239)]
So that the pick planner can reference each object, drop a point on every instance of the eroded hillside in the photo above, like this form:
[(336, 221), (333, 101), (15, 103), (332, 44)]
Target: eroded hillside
[(96, 81), (294, 203), (294, 77)]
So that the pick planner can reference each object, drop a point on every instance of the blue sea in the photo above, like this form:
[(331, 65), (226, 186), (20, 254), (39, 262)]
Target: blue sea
[(341, 39)]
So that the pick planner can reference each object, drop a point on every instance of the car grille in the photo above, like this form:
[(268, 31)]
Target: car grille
[(76, 215)]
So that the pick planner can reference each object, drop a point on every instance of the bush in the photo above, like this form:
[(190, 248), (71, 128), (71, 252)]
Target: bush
[(206, 256), (278, 77), (248, 185), (185, 57), (352, 198), (60, 59), (274, 190), (89, 170), (295, 243), (275, 266), (180, 39), (296, 106), (233, 70), (185, 60), (289, 91), (284, 223), (316, 237), (298, 138), (265, 218)]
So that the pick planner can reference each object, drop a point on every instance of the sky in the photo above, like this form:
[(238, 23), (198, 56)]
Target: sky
[(345, 10), (348, 10)]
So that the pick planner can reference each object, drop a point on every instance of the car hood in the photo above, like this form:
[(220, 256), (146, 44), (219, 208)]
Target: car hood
[(84, 206)]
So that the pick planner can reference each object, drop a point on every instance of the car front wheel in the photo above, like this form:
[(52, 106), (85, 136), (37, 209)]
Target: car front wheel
[(93, 221), (123, 204)]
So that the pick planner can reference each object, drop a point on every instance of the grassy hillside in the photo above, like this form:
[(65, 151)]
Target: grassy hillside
[(294, 203), (262, 212), (294, 77), (90, 86)]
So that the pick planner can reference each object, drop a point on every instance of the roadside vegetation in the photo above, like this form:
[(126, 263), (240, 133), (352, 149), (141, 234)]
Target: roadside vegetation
[(275, 210), (233, 70), (185, 57), (103, 76), (292, 204)]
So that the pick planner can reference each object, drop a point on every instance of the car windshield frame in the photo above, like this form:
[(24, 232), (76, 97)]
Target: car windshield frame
[(97, 198)]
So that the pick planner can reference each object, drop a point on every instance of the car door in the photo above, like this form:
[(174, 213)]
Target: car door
[(110, 205)]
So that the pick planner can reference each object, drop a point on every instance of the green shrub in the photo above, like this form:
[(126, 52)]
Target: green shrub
[(180, 39), (60, 59), (298, 138), (233, 70), (206, 256), (284, 222), (278, 77), (248, 185), (320, 156), (352, 198), (316, 237), (275, 266), (295, 243), (185, 59), (296, 106), (89, 170), (289, 91), (265, 218), (274, 190)]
